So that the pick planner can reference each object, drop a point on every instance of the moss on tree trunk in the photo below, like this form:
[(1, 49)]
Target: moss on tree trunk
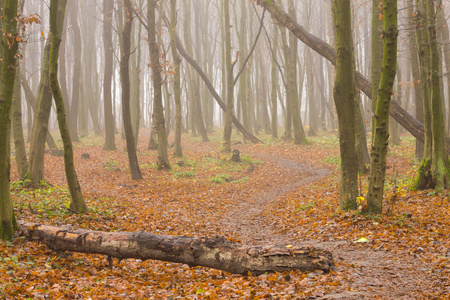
[(344, 97), (380, 140), (57, 10), (8, 222)]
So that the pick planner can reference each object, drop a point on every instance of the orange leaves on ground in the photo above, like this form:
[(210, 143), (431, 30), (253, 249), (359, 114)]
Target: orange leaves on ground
[(287, 199)]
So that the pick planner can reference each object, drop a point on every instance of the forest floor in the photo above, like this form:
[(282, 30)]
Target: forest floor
[(279, 194)]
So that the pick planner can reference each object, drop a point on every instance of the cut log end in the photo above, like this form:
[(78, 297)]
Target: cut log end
[(216, 253)]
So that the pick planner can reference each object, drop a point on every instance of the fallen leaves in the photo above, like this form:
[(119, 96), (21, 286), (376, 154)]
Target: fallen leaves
[(409, 247)]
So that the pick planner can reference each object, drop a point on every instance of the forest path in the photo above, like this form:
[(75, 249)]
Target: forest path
[(369, 273), (247, 221)]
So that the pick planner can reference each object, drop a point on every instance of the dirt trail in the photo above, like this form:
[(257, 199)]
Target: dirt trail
[(246, 220), (373, 274)]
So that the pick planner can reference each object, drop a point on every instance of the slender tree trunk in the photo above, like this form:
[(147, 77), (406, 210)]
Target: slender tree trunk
[(40, 123), (287, 62), (344, 97), (73, 5), (8, 222), (394, 128), (19, 140), (63, 72), (108, 8), (230, 78), (163, 159), (125, 80), (198, 101), (380, 140), (57, 10), (223, 68), (313, 114), (274, 82), (178, 152), (242, 94), (414, 61), (136, 82), (377, 54)]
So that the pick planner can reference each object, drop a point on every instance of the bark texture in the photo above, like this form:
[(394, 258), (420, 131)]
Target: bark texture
[(344, 98), (439, 157), (377, 54), (230, 78), (178, 151), (125, 80), (57, 9), (380, 141), (40, 122), (216, 253), (19, 140), (7, 220), (108, 8)]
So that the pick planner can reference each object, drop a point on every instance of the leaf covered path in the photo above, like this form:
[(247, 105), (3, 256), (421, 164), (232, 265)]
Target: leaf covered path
[(281, 193)]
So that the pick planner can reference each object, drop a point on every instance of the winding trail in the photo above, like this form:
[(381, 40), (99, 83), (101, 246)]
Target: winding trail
[(371, 274), (246, 219)]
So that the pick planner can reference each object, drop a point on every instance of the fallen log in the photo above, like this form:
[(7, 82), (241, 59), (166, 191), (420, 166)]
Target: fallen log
[(216, 253)]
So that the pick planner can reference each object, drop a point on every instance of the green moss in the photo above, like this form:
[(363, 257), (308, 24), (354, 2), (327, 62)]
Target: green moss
[(424, 179)]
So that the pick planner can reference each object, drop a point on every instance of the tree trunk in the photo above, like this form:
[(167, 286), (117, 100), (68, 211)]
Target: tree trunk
[(178, 151), (380, 140), (76, 72), (242, 38), (274, 82), (444, 40), (57, 12), (31, 100), (230, 79), (439, 159), (9, 28), (40, 123), (216, 253), (414, 61), (163, 159), (377, 55), (299, 133), (108, 8), (288, 115), (312, 111), (197, 99), (136, 80), (125, 79), (344, 98), (19, 140), (424, 177), (394, 128)]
